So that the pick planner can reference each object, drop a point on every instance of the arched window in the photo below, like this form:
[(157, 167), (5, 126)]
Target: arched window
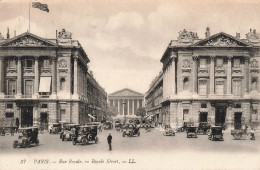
[(62, 84), (186, 83)]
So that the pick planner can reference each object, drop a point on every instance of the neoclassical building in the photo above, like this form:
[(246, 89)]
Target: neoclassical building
[(126, 101), (44, 80), (215, 79), (153, 99)]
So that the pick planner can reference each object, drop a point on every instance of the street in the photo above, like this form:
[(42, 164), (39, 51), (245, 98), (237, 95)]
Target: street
[(152, 141)]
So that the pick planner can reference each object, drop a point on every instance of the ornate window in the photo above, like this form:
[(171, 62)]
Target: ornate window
[(29, 63), (236, 63), (9, 114), (237, 87), (219, 62), (220, 87), (46, 63), (62, 84), (254, 84), (203, 87), (28, 88), (185, 114), (11, 87), (186, 83), (11, 64), (203, 62)]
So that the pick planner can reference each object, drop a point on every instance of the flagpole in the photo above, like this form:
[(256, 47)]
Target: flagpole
[(29, 15)]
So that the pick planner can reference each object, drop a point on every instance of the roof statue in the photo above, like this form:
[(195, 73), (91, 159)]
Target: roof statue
[(187, 36)]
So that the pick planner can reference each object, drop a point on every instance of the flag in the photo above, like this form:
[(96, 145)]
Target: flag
[(43, 7)]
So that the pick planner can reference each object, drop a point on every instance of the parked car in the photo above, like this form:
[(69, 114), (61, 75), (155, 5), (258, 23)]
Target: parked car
[(85, 134), (192, 132), (215, 133), (185, 126), (98, 124), (2, 130), (131, 130), (55, 128), (68, 131), (108, 125), (26, 137), (118, 125), (203, 128), (169, 131)]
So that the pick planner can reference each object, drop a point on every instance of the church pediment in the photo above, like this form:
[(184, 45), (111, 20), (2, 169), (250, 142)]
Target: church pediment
[(27, 40), (126, 92), (221, 40)]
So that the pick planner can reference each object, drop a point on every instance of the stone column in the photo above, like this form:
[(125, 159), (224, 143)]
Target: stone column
[(246, 75), (137, 103), (19, 77), (164, 84), (133, 108), (229, 75), (1, 77), (173, 75), (212, 74), (118, 106), (54, 76), (128, 106), (229, 116), (36, 76), (195, 75), (75, 80)]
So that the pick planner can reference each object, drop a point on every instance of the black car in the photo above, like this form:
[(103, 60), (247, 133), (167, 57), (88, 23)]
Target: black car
[(26, 137), (192, 132), (131, 130), (203, 128), (85, 134), (216, 133)]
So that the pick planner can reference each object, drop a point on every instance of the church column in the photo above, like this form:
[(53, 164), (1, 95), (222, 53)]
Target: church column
[(19, 77), (75, 80), (118, 106), (36, 76), (195, 74), (128, 106), (137, 101), (229, 75), (1, 76), (133, 108), (212, 74), (54, 76)]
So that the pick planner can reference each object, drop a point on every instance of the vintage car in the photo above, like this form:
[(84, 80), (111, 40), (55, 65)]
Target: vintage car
[(98, 124), (131, 130), (55, 128), (185, 126), (2, 130), (118, 126), (68, 131), (223, 125), (108, 125), (192, 131), (203, 128), (169, 131), (215, 133), (26, 137), (85, 134)]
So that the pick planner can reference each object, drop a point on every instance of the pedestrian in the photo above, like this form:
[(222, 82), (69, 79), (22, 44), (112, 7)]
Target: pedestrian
[(12, 130), (109, 141), (252, 133)]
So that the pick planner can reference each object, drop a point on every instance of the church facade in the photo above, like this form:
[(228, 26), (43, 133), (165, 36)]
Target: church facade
[(214, 80), (126, 101), (44, 81)]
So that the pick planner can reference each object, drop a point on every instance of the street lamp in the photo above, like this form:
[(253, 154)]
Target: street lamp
[(124, 111)]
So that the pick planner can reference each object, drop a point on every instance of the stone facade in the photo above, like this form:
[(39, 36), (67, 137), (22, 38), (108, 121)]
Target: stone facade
[(126, 101), (44, 81), (213, 80)]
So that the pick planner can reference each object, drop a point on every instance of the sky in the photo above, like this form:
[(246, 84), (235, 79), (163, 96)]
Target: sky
[(125, 39)]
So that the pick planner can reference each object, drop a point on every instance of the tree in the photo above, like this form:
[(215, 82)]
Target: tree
[(141, 112), (112, 111)]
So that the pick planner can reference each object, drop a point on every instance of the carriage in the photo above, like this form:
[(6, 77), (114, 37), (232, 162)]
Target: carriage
[(239, 134), (26, 137)]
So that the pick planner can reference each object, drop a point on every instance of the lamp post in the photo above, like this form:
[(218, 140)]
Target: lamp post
[(124, 111)]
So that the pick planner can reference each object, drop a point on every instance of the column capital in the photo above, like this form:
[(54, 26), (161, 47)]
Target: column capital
[(212, 57), (246, 57), (19, 57), (36, 57), (173, 56), (195, 57), (230, 57), (53, 57), (2, 58)]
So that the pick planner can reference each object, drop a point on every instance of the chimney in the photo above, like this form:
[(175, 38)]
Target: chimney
[(7, 35), (207, 33), (238, 35)]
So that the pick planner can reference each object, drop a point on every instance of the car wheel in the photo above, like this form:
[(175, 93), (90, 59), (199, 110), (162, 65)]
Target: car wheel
[(164, 134), (96, 139), (15, 144), (130, 134), (74, 142), (37, 142), (63, 138), (84, 142), (28, 143), (138, 133)]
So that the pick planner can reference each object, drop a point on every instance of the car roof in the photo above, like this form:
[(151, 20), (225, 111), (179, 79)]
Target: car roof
[(25, 128), (73, 124), (56, 123), (216, 127)]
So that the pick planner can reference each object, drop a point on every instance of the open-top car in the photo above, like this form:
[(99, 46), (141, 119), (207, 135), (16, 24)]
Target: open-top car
[(203, 128), (192, 131), (108, 125), (55, 128), (68, 131), (215, 133), (118, 125), (85, 134), (131, 130), (169, 131), (98, 124), (26, 137)]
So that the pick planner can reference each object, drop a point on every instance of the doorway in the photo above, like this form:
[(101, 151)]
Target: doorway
[(203, 117), (238, 120), (44, 121), (220, 115), (26, 116)]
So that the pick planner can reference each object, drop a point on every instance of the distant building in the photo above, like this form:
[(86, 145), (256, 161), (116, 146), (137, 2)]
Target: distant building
[(214, 80), (44, 81), (132, 99), (153, 99)]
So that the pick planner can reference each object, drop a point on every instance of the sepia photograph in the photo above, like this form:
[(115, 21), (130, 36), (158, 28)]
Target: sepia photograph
[(129, 84)]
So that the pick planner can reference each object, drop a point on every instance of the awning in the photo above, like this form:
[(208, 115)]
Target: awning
[(91, 116), (45, 84)]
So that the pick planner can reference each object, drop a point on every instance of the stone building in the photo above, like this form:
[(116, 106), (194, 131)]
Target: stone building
[(43, 80), (126, 101), (153, 99), (215, 79)]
